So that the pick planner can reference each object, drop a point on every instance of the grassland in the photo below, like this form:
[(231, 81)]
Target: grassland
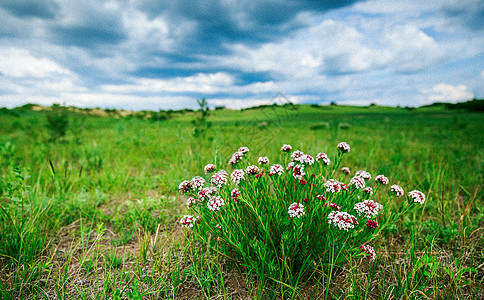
[(94, 213)]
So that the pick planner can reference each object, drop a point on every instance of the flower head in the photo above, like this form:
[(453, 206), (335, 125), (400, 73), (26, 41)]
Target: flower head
[(335, 206), (369, 208), (188, 221), (358, 182), (417, 196), (343, 147), (243, 150), (345, 170), (368, 190), (286, 148), (207, 192), (334, 186), (236, 157), (252, 170), (219, 179), (237, 175), (298, 172), (191, 201), (263, 160), (372, 223), (396, 190), (209, 168), (290, 166), (197, 182), (323, 157), (276, 169), (235, 193), (215, 203), (363, 174), (296, 210), (305, 159), (381, 179), (342, 220), (369, 251), (320, 197), (296, 155), (185, 186)]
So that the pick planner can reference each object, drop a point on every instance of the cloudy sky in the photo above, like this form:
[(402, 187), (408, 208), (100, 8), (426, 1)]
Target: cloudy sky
[(165, 54)]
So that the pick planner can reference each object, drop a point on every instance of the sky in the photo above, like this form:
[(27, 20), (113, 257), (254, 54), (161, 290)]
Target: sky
[(166, 54)]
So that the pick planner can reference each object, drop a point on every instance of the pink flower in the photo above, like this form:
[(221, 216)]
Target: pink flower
[(276, 169), (342, 220), (345, 170), (191, 201), (235, 193), (185, 186), (335, 206), (357, 182), (197, 182), (363, 174), (286, 148), (368, 207), (219, 179), (397, 190), (243, 150), (320, 197), (263, 160), (236, 157), (306, 159), (207, 192), (290, 166), (296, 210), (323, 157), (343, 147), (215, 203), (298, 172), (333, 186), (209, 168), (219, 227), (237, 175), (369, 251), (296, 155), (187, 221), (259, 175), (252, 170), (368, 190), (417, 196), (381, 179), (372, 223)]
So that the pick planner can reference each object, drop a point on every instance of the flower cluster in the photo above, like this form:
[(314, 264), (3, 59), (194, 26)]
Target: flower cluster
[(371, 223), (207, 192), (191, 201), (276, 169), (335, 206), (286, 148), (188, 220), (263, 160), (298, 171), (323, 157), (342, 220), (235, 193), (237, 175), (358, 182), (219, 178), (345, 170), (252, 170), (296, 210), (334, 186), (417, 196), (237, 156), (296, 155), (197, 182), (381, 179), (363, 174), (215, 203), (368, 207), (369, 251), (396, 190), (343, 147), (209, 168), (368, 190)]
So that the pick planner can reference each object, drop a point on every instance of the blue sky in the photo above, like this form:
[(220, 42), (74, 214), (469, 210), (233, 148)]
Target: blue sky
[(165, 54)]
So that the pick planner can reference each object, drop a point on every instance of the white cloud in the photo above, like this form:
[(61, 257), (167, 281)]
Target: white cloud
[(19, 63), (446, 93)]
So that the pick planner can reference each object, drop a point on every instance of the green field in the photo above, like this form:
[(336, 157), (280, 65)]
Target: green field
[(94, 213)]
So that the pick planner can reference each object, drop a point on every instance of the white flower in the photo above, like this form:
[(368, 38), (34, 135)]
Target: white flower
[(369, 208), (397, 190), (298, 171), (263, 160), (237, 175), (363, 174), (215, 203), (417, 196), (358, 182), (197, 182), (286, 148), (323, 157), (343, 147), (209, 168), (296, 210), (342, 220), (381, 179), (276, 169), (188, 221)]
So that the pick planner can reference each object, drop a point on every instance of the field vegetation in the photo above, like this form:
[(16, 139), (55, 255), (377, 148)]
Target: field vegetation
[(90, 206)]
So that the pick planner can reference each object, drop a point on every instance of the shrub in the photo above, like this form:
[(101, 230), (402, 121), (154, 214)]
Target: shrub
[(57, 123), (293, 218)]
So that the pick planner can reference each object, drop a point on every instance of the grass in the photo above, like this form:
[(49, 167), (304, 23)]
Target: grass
[(95, 213)]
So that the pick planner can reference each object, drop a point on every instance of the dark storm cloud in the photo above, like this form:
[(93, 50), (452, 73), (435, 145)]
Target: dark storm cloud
[(218, 22), (45, 9)]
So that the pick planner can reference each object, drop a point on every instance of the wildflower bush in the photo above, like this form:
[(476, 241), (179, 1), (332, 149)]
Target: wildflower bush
[(293, 217)]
